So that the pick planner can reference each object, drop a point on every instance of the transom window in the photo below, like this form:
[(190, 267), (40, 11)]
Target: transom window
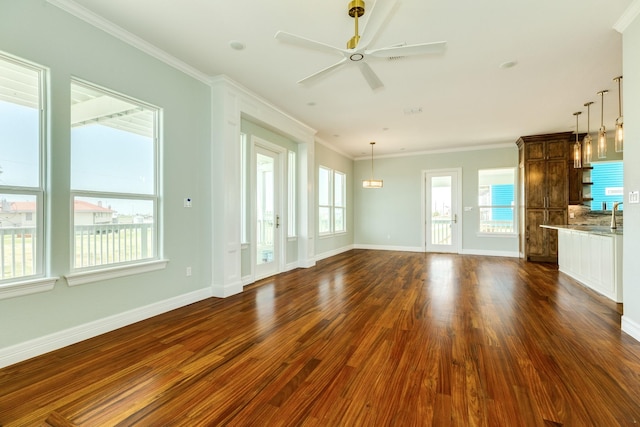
[(22, 136), (114, 185)]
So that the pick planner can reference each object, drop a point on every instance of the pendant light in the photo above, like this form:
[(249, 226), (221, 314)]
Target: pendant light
[(602, 133), (577, 152), (372, 183), (619, 141), (586, 142)]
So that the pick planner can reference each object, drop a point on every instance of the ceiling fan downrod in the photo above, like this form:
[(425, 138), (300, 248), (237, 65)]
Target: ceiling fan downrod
[(356, 10)]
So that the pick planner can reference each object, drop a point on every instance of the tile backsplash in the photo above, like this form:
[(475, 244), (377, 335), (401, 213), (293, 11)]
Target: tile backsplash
[(583, 215)]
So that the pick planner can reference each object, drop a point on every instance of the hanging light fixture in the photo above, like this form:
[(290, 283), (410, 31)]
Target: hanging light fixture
[(619, 141), (372, 183), (602, 133), (586, 142), (577, 152)]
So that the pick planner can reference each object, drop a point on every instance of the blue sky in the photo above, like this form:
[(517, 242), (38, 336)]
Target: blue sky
[(103, 159)]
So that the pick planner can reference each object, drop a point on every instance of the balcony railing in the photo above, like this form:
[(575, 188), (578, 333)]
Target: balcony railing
[(112, 243), (17, 252)]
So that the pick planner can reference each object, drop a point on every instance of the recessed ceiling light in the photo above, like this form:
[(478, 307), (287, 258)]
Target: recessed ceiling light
[(311, 104), (385, 129), (236, 45), (508, 64)]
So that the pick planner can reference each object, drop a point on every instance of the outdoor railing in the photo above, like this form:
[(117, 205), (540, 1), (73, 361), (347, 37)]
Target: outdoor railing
[(495, 226), (112, 243), (441, 231), (16, 252)]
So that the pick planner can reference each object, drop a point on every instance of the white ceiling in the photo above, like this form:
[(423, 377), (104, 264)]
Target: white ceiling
[(566, 51)]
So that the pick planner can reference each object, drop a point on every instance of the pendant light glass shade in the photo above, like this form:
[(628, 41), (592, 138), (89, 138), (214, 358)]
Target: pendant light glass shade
[(602, 132), (619, 136), (372, 183), (577, 151), (586, 142)]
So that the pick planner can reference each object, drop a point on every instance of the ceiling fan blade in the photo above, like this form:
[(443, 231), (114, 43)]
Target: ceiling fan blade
[(307, 43), (378, 15), (322, 73), (409, 50), (371, 77)]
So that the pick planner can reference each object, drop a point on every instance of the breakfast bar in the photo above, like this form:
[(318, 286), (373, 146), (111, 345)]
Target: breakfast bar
[(592, 254)]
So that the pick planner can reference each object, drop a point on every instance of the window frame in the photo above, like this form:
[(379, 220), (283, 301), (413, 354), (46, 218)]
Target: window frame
[(40, 280), (331, 207), (292, 173), (86, 274), (512, 207)]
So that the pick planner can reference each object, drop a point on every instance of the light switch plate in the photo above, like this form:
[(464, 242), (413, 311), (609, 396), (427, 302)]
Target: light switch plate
[(634, 196)]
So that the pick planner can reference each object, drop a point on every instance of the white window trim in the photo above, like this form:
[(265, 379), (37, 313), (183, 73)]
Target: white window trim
[(113, 270), (512, 207), (38, 282), (332, 204), (90, 276), (27, 287)]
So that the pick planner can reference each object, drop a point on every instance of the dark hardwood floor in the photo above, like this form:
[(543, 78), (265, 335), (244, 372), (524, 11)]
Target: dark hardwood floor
[(366, 338)]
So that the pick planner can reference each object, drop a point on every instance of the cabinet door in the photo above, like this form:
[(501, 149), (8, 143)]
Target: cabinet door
[(535, 188), (575, 184), (535, 236), (535, 150), (557, 184), (554, 217), (557, 149)]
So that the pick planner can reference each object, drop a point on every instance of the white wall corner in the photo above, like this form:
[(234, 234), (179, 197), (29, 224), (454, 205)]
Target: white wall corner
[(226, 290), (631, 327)]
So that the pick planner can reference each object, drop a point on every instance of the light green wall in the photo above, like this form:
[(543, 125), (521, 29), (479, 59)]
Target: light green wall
[(631, 111), (251, 128), (327, 157), (39, 32), (391, 216)]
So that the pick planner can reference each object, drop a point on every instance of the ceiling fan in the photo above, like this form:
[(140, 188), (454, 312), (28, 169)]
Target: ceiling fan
[(357, 51)]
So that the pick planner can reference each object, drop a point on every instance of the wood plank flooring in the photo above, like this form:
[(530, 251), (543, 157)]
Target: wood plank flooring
[(365, 338)]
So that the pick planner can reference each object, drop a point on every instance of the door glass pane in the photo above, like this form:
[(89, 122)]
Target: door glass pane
[(441, 210), (265, 230)]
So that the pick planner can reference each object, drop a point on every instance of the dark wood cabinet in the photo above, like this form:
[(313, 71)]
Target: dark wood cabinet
[(544, 171)]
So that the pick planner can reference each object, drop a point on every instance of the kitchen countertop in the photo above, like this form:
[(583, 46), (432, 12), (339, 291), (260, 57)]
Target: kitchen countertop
[(601, 230)]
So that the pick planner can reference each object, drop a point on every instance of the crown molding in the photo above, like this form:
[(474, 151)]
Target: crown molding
[(629, 15), (441, 151), (120, 33), (334, 148)]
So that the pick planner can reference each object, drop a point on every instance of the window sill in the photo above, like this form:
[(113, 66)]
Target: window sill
[(84, 277), (500, 235), (26, 287)]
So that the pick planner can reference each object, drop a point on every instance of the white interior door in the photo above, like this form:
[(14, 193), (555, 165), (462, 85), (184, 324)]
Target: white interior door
[(442, 211), (267, 219)]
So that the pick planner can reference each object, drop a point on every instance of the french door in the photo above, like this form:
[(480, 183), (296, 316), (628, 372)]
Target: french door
[(267, 213), (442, 196)]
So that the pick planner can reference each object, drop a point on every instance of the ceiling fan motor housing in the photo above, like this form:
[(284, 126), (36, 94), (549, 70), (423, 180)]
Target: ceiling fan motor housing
[(356, 7)]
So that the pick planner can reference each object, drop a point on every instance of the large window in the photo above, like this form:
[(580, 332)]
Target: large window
[(496, 200), (21, 170), (291, 192), (114, 185), (607, 188), (332, 201)]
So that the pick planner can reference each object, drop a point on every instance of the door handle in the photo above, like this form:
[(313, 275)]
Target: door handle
[(455, 218), (277, 221)]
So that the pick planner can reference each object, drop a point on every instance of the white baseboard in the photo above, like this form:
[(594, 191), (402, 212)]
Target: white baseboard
[(509, 254), (333, 252), (631, 327), (38, 346), (390, 248), (224, 291)]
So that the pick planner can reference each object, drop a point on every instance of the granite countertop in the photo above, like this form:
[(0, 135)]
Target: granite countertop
[(601, 230)]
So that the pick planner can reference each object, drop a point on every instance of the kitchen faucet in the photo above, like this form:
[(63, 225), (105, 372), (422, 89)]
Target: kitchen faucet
[(613, 215)]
